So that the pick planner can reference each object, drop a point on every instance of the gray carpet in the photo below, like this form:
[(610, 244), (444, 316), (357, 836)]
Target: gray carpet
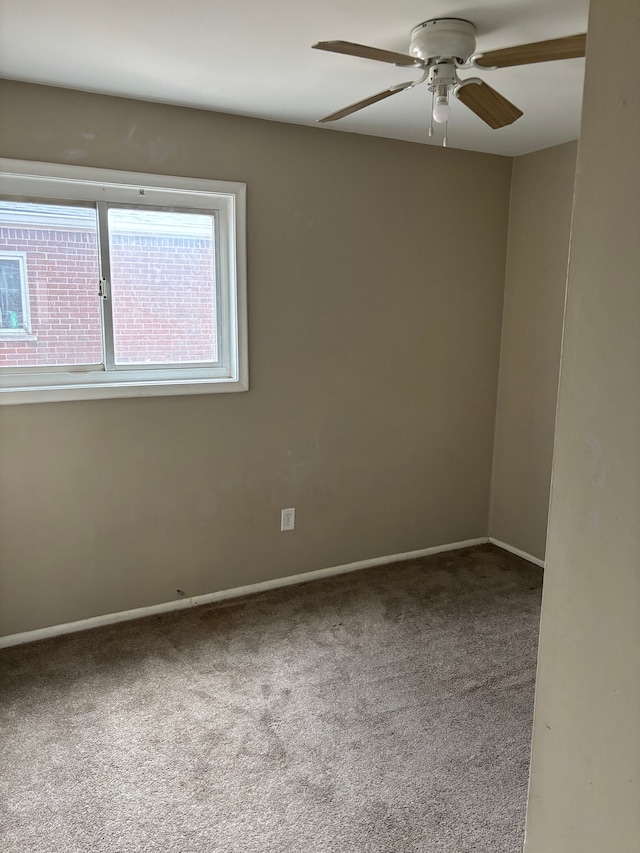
[(387, 710)]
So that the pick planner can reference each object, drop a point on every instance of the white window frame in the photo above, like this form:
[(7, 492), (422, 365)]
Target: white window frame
[(19, 334), (25, 179)]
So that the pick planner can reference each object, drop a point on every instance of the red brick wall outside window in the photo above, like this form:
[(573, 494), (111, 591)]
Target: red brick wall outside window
[(162, 292), (163, 299), (62, 283)]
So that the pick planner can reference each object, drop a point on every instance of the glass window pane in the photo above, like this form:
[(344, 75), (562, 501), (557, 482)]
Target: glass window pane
[(163, 286), (12, 299), (49, 273)]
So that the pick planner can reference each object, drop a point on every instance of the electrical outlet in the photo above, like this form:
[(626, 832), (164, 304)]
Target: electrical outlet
[(288, 519)]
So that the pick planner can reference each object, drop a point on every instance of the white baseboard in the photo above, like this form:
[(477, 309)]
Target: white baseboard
[(208, 598), (535, 560)]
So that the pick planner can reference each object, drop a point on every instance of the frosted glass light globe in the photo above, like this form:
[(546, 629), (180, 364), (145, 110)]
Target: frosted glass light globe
[(441, 113)]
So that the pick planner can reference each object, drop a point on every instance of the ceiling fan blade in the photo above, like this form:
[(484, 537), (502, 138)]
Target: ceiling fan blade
[(489, 105), (350, 48), (569, 47), (360, 105)]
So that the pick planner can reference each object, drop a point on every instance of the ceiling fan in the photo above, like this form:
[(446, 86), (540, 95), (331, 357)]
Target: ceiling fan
[(439, 48)]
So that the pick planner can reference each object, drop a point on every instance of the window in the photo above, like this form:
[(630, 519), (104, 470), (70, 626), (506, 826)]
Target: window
[(136, 284), (14, 296)]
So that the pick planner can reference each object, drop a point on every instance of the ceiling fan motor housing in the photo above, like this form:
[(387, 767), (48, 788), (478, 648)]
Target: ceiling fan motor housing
[(452, 38)]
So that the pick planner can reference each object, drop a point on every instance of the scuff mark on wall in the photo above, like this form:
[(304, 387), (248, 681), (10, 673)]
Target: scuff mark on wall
[(75, 154), (600, 467), (155, 149), (599, 471)]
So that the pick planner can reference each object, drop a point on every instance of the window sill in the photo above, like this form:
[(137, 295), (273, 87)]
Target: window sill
[(8, 336), (115, 390)]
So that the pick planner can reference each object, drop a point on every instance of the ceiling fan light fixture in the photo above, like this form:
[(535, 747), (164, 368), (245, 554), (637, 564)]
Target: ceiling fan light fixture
[(440, 47), (441, 109), (442, 79)]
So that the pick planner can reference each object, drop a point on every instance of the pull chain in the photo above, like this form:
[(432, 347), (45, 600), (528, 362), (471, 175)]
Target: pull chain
[(446, 130)]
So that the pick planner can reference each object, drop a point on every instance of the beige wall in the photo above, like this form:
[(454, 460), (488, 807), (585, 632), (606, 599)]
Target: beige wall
[(374, 345), (585, 775), (537, 257)]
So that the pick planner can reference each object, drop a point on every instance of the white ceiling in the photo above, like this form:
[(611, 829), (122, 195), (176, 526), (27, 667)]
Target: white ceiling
[(254, 58)]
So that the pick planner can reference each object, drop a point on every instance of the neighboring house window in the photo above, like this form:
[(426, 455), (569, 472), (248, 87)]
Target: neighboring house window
[(14, 295), (136, 284)]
